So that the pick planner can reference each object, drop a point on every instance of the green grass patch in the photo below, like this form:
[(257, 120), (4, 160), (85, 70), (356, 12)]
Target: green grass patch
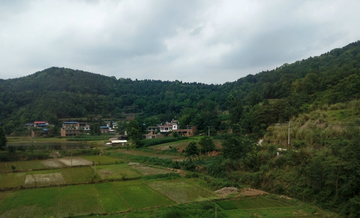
[(271, 212), (43, 171), (79, 200), (12, 180), (141, 196), (180, 191), (79, 175), (151, 142), (118, 171), (226, 205), (3, 195), (103, 159), (21, 165), (109, 198), (30, 203)]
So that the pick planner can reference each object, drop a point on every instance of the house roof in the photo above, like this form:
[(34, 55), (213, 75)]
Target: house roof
[(38, 122), (104, 127), (70, 122)]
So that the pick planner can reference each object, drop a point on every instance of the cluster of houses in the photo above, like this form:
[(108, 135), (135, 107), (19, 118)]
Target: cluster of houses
[(169, 127), (74, 128)]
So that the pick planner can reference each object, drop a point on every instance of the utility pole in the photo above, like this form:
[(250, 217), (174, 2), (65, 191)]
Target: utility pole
[(289, 135), (209, 130), (71, 154), (215, 212)]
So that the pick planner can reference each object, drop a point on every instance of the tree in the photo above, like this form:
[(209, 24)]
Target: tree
[(235, 147), (207, 144), (134, 130), (191, 150), (3, 139)]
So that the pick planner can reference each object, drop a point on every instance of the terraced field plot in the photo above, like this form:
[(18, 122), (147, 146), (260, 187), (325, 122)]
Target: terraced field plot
[(180, 191), (21, 165), (12, 180), (102, 159), (30, 203), (256, 207), (118, 171), (44, 179), (139, 195), (80, 200), (145, 170), (110, 199), (79, 175)]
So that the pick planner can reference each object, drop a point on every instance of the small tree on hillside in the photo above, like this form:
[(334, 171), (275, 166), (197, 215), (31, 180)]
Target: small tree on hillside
[(3, 139), (207, 144), (191, 150)]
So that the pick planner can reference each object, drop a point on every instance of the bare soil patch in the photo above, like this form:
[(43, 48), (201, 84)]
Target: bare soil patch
[(41, 180), (252, 192), (226, 191), (53, 163), (76, 161), (106, 172)]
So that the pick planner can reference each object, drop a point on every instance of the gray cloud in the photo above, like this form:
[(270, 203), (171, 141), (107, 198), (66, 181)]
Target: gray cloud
[(202, 41)]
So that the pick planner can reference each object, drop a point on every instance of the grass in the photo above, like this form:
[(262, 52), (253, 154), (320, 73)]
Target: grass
[(109, 198), (79, 175), (180, 191), (3, 196), (30, 203), (141, 196), (79, 200), (21, 165), (151, 170), (118, 171), (12, 180), (102, 159)]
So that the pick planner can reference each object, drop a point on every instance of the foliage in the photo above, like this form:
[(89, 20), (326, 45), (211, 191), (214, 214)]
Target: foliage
[(151, 142), (191, 150), (236, 147), (207, 144), (3, 139)]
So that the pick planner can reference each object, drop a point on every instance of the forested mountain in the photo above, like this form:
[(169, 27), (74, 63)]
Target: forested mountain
[(64, 93)]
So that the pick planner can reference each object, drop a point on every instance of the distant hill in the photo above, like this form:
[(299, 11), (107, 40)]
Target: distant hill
[(65, 93)]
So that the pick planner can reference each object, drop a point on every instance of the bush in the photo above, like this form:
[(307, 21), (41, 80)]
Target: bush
[(151, 142)]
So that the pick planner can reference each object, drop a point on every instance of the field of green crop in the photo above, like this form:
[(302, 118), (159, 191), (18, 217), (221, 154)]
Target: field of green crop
[(30, 203), (180, 191), (79, 175), (20, 165), (118, 171), (139, 195), (110, 199), (78, 200), (102, 159), (12, 180)]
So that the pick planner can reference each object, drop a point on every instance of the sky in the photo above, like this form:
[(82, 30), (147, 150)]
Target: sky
[(187, 40)]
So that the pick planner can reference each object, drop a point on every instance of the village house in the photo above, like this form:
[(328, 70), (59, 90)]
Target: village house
[(189, 131), (152, 135), (168, 127), (40, 123), (104, 129), (70, 129)]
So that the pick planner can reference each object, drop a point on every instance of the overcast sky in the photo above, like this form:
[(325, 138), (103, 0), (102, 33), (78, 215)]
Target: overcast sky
[(187, 40)]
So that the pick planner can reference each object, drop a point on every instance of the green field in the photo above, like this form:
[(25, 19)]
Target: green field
[(141, 196), (79, 175), (118, 171), (110, 199), (11, 180), (30, 203), (251, 203), (80, 199), (180, 191), (102, 159), (21, 165)]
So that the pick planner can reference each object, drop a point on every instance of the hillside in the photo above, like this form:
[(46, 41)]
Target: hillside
[(57, 93)]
